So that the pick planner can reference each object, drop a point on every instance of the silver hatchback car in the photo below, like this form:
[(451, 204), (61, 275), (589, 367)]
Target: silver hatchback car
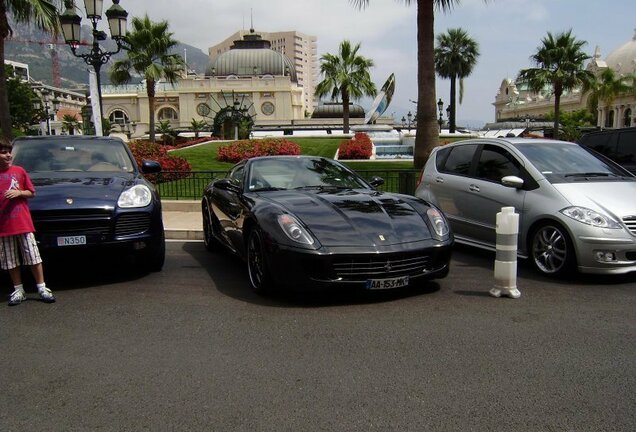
[(576, 208)]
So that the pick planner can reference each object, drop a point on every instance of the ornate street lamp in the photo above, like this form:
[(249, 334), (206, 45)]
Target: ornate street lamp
[(96, 57), (440, 107)]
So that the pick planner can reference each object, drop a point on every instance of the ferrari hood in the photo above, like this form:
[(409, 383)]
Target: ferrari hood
[(66, 190), (354, 217)]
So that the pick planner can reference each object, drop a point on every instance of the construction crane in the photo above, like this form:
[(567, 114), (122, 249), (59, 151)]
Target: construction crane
[(55, 62)]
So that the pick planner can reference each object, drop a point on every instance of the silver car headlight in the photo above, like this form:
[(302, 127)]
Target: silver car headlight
[(136, 196), (294, 229), (438, 221), (590, 217)]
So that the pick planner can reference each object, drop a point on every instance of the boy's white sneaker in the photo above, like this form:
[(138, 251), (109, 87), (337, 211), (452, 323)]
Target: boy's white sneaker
[(46, 295), (17, 297)]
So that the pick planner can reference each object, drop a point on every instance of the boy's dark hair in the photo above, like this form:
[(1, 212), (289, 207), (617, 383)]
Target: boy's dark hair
[(5, 143)]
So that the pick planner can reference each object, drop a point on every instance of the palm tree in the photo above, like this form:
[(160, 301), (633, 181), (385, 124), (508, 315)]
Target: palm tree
[(70, 123), (427, 135), (605, 88), (455, 57), (198, 126), (150, 43), (43, 14), (559, 61), (346, 75)]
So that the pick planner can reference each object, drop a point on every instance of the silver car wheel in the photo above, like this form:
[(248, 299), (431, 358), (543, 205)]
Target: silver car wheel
[(550, 250)]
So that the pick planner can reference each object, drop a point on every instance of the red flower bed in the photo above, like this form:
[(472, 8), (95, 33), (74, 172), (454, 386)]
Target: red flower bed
[(358, 147), (146, 150), (245, 149)]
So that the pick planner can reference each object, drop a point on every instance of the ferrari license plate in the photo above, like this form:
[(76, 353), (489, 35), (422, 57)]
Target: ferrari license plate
[(71, 240), (380, 284)]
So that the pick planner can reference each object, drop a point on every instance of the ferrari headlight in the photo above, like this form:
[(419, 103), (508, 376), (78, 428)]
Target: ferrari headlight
[(294, 229), (438, 221), (590, 217), (136, 196)]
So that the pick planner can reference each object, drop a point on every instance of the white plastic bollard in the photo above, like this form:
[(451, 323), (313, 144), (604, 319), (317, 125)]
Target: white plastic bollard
[(506, 259)]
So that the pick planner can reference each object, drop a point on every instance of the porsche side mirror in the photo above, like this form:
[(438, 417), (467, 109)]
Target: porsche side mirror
[(150, 167)]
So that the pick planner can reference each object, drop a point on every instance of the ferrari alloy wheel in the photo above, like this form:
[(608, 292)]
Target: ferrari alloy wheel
[(552, 251), (256, 265), (209, 240)]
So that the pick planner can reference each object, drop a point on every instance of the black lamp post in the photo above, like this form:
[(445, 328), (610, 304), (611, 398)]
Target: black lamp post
[(96, 57), (440, 107)]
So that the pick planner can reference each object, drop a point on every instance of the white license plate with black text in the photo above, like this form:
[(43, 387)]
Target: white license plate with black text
[(71, 240), (380, 284)]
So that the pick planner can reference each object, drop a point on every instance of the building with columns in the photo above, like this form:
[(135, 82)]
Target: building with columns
[(250, 80), (515, 102)]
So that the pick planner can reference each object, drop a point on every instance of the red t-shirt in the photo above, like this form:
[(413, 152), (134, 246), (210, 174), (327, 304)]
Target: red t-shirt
[(15, 217)]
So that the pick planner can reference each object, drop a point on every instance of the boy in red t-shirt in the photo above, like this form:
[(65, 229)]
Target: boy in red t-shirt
[(17, 242)]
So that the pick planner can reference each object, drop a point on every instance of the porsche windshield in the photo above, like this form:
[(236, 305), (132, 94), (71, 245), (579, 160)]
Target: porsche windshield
[(71, 156), (299, 173)]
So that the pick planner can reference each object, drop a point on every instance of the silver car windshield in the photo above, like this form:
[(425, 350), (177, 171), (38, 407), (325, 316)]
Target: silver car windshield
[(72, 156), (554, 159)]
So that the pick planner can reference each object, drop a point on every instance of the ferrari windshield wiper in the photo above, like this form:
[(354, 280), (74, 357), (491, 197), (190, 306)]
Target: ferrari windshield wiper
[(269, 188), (323, 187)]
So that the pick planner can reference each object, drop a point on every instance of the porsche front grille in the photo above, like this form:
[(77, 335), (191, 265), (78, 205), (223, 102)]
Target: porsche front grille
[(55, 222), (132, 223), (359, 268)]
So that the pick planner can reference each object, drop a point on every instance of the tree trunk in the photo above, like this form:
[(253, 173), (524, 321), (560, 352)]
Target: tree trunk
[(557, 111), (453, 98), (345, 111), (427, 135), (5, 115), (150, 89)]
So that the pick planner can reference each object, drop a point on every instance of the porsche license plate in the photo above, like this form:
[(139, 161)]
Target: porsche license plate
[(380, 284), (71, 240)]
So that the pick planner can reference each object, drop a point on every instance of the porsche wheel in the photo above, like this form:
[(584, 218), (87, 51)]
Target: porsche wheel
[(552, 251), (256, 264)]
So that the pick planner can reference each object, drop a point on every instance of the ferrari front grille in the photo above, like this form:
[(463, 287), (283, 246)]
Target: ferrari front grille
[(360, 268)]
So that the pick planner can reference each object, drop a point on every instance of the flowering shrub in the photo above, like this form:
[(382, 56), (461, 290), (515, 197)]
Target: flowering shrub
[(358, 147), (246, 149), (146, 150), (181, 142)]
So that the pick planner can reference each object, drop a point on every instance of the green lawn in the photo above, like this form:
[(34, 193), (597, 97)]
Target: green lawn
[(203, 157)]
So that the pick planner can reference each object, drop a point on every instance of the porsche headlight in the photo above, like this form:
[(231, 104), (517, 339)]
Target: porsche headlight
[(590, 217), (294, 229), (438, 221), (136, 196)]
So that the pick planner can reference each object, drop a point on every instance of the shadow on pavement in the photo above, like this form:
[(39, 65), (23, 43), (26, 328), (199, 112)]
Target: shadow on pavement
[(230, 277)]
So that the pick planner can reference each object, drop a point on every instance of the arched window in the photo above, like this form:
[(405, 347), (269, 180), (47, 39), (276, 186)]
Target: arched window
[(627, 120), (118, 117), (167, 113)]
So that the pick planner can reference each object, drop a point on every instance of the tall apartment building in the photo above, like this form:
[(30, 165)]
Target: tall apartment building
[(301, 48)]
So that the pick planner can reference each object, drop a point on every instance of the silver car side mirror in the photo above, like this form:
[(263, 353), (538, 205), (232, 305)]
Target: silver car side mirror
[(512, 181)]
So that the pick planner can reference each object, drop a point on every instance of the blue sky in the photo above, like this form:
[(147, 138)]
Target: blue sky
[(508, 33)]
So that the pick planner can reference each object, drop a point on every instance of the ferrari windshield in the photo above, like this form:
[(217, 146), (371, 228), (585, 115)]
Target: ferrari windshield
[(300, 173), (73, 155)]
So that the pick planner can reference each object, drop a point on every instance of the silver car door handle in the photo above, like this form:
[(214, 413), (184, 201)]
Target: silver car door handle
[(473, 188), (439, 179)]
